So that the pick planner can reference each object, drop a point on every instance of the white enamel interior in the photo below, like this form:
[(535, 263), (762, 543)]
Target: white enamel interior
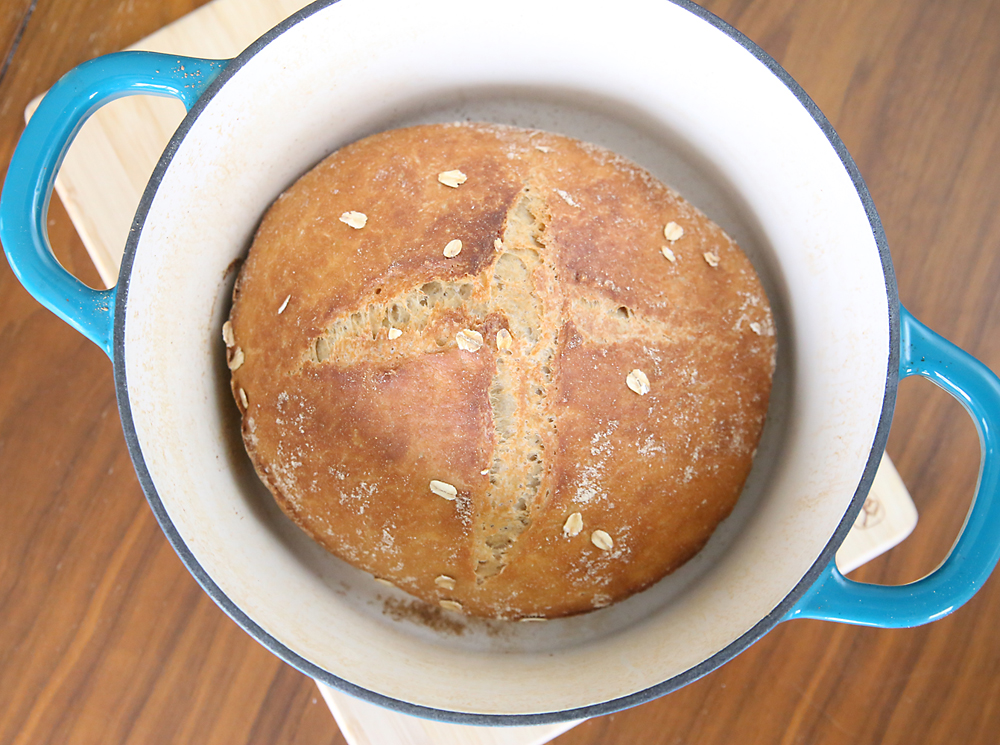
[(663, 87)]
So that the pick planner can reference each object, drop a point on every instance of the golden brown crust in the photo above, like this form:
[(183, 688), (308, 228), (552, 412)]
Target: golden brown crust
[(356, 393)]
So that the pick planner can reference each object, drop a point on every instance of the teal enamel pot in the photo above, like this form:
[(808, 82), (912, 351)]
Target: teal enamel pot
[(723, 123)]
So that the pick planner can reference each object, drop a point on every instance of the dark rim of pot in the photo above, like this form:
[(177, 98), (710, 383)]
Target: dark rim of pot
[(459, 717)]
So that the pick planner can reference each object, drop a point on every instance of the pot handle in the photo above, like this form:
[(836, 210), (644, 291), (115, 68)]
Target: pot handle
[(833, 597), (24, 203)]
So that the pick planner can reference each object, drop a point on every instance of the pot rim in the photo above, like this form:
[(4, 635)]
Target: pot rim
[(458, 717)]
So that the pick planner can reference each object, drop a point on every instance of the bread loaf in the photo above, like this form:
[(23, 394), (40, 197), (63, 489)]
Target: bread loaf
[(509, 372)]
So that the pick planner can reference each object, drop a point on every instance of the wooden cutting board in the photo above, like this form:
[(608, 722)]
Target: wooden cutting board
[(100, 183)]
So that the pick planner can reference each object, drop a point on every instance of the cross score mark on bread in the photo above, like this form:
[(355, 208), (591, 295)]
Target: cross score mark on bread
[(508, 296)]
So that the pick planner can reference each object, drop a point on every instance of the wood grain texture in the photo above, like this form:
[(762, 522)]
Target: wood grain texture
[(105, 638)]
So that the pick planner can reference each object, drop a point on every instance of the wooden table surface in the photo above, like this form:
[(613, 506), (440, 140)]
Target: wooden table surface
[(105, 638)]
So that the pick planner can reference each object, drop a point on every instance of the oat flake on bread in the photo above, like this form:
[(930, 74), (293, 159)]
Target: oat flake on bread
[(360, 394)]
